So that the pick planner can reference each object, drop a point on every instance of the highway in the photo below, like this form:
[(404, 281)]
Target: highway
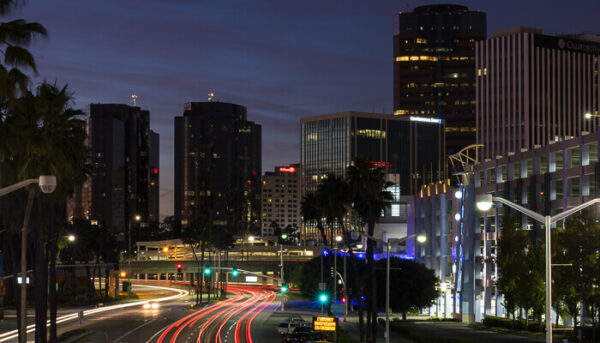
[(228, 321)]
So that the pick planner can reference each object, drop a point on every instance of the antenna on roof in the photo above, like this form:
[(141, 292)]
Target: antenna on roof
[(134, 99), (211, 96)]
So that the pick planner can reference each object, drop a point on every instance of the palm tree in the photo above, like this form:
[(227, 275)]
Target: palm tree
[(313, 212), (370, 197), (55, 136), (15, 37)]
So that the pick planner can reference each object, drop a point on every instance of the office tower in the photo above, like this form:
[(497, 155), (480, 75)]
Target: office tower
[(410, 148), (434, 67), (153, 185), (217, 167), (281, 198), (534, 89), (118, 191)]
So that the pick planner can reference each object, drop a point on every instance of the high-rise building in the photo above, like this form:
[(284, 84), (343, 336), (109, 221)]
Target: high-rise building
[(281, 198), (410, 148), (434, 67), (122, 184), (153, 185), (217, 167), (534, 89)]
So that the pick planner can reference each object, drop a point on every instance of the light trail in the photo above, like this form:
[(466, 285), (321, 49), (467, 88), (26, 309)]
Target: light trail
[(7, 336), (249, 322), (191, 319)]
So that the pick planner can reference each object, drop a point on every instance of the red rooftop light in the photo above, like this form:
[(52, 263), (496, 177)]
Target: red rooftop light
[(154, 171)]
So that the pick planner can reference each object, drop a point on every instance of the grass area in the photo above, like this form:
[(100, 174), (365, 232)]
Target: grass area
[(344, 337), (420, 337)]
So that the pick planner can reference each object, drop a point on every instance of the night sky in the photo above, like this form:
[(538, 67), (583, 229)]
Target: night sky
[(282, 59)]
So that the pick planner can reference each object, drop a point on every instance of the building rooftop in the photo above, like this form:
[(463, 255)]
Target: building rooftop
[(515, 30)]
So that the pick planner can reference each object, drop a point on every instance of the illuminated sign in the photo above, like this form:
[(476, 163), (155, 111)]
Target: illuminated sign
[(380, 164), (291, 169), (251, 278), (426, 120), (324, 323)]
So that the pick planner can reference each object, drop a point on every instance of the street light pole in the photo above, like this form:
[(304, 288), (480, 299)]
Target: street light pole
[(484, 203), (388, 243), (47, 184), (282, 278)]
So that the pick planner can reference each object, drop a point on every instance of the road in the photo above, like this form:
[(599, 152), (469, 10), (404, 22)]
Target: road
[(228, 321)]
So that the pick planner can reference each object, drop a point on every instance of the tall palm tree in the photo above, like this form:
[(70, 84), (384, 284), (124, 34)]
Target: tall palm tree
[(15, 36), (312, 212), (55, 134), (332, 194), (370, 197)]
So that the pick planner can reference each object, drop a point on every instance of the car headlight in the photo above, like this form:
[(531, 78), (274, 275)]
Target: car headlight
[(155, 305), (147, 305)]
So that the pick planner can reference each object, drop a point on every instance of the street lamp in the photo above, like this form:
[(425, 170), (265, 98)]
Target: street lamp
[(388, 242), (484, 203), (284, 236), (137, 218), (47, 184), (71, 238)]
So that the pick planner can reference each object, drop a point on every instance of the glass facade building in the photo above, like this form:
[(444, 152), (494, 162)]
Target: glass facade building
[(217, 167), (122, 184), (434, 67), (410, 148)]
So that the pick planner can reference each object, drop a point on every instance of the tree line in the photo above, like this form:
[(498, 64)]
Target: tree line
[(576, 282), (339, 206)]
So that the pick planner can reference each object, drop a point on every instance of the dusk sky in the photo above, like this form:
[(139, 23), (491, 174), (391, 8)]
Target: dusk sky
[(281, 59)]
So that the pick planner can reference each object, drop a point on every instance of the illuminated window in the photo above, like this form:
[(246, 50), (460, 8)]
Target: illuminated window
[(371, 133), (421, 41), (313, 136), (395, 210), (400, 112), (401, 58)]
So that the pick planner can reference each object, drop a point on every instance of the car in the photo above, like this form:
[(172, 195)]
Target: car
[(151, 305), (288, 326), (300, 334)]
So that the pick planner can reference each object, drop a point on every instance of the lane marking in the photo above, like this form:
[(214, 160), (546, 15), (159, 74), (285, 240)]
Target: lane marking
[(130, 331)]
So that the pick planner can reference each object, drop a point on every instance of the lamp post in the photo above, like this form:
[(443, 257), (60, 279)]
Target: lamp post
[(47, 184), (388, 243), (251, 241), (284, 236), (137, 218), (338, 239), (484, 202)]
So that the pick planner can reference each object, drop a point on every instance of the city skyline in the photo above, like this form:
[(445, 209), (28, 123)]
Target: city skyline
[(281, 61)]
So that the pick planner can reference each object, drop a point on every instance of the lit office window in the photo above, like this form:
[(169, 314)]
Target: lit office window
[(395, 210)]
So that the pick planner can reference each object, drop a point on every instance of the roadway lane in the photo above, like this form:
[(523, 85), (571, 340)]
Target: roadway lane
[(229, 321), (118, 320)]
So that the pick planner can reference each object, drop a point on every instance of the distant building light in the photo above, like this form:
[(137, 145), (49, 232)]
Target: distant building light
[(155, 171), (426, 120), (290, 169)]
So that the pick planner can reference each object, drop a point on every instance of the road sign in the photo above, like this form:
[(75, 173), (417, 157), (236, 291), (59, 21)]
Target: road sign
[(324, 323)]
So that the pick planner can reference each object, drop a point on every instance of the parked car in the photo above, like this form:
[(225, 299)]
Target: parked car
[(300, 334), (290, 325)]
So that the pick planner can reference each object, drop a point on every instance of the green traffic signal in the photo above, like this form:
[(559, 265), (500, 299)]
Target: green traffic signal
[(234, 272), (283, 289), (284, 236), (207, 271), (323, 298)]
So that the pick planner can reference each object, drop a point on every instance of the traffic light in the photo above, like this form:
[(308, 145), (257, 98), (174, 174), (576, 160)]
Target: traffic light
[(179, 267), (323, 298), (283, 288), (234, 272), (207, 270)]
